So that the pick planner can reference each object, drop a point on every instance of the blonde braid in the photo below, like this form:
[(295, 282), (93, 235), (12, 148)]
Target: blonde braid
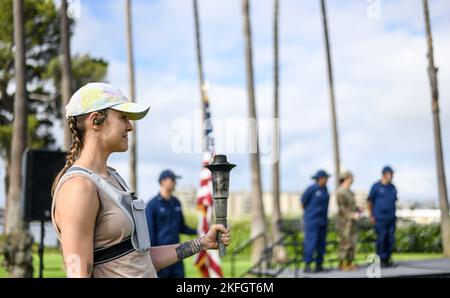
[(74, 151)]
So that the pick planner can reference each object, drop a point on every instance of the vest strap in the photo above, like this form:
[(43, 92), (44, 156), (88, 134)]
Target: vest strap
[(106, 254)]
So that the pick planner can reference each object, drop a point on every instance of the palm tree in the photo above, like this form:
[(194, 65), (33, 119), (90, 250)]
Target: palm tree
[(66, 69), (133, 147), (258, 219), (201, 76), (18, 244), (442, 187), (279, 253), (331, 93)]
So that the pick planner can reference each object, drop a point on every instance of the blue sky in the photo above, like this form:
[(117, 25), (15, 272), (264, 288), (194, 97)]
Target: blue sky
[(381, 84)]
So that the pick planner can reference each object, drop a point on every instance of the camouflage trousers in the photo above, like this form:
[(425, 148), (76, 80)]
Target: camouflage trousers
[(348, 236)]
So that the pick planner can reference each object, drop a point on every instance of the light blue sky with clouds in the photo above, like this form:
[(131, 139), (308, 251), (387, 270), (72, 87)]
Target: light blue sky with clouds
[(381, 84)]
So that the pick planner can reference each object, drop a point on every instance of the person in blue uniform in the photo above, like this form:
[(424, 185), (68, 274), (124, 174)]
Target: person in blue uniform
[(381, 205), (315, 207), (166, 221)]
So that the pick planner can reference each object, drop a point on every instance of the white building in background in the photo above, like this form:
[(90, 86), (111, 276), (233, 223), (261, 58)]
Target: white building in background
[(239, 203), (420, 216)]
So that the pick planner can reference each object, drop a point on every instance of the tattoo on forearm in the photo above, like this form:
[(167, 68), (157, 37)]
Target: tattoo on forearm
[(189, 248)]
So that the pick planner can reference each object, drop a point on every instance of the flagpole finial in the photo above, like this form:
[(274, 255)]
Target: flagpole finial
[(205, 85), (204, 89)]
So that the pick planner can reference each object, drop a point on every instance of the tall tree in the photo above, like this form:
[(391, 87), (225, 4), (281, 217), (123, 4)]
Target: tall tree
[(201, 76), (279, 253), (41, 45), (43, 78), (133, 145), (440, 169), (258, 218), (67, 80), (331, 94), (85, 69), (18, 236)]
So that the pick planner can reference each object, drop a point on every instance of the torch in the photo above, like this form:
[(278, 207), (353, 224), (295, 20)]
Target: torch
[(220, 171)]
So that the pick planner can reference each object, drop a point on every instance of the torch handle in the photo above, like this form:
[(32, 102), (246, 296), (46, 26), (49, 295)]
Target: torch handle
[(221, 246)]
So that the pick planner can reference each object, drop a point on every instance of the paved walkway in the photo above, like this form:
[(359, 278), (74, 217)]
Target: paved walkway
[(422, 268)]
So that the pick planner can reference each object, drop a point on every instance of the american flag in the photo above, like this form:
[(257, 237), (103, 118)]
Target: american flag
[(207, 261)]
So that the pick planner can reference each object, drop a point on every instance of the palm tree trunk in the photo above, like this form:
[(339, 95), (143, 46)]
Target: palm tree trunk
[(133, 145), (331, 93), (66, 81), (258, 219), (6, 180), (279, 253), (18, 245), (201, 76), (442, 187)]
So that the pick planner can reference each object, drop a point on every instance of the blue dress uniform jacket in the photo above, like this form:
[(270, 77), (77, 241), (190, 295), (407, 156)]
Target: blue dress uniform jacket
[(315, 202), (383, 198), (165, 224)]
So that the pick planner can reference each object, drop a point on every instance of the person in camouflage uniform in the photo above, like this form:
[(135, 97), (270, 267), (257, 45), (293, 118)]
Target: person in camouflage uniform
[(346, 222)]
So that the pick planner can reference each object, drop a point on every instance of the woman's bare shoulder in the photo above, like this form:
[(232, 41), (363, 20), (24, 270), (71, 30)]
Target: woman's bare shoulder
[(78, 193)]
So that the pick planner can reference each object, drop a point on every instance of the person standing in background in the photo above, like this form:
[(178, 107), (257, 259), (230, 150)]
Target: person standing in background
[(381, 204), (315, 206), (166, 221), (346, 222)]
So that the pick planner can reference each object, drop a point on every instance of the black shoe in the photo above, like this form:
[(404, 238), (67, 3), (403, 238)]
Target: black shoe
[(319, 268), (387, 263), (307, 269), (390, 263)]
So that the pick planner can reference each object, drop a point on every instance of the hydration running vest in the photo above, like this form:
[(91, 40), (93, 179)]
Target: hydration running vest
[(133, 208)]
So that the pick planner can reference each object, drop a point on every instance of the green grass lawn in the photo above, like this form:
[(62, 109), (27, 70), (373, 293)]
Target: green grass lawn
[(53, 263)]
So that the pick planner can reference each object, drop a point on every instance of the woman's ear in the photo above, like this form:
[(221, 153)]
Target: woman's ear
[(96, 118)]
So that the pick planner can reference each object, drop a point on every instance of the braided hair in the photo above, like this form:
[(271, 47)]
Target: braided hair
[(75, 149), (77, 131)]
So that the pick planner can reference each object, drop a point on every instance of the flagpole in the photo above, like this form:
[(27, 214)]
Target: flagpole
[(208, 262)]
